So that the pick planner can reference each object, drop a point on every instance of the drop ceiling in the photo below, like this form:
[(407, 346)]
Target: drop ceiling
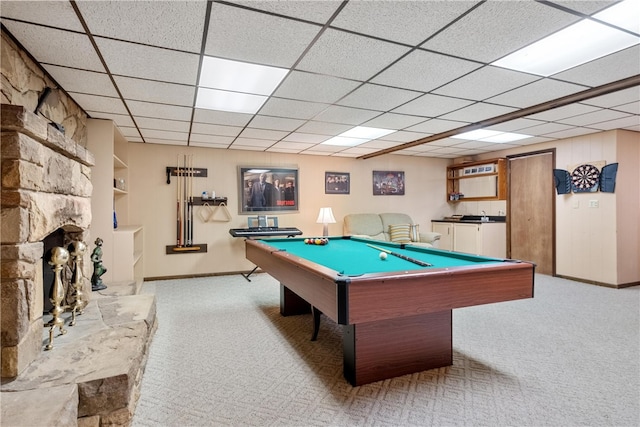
[(419, 67)]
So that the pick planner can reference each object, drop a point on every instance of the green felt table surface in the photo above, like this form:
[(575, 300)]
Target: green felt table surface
[(352, 256)]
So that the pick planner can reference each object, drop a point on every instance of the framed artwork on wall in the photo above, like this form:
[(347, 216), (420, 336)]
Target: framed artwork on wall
[(388, 183), (337, 183), (268, 189)]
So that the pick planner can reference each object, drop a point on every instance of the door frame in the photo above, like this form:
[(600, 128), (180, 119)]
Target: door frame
[(551, 151)]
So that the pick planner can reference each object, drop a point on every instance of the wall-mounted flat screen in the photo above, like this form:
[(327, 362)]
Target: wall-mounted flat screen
[(268, 189)]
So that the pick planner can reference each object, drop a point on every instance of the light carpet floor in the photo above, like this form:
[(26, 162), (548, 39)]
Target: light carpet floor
[(223, 355)]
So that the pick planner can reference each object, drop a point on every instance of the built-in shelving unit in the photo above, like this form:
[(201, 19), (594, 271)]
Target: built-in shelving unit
[(122, 246), (477, 181)]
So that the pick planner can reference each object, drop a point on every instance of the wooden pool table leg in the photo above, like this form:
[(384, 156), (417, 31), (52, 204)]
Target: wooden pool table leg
[(375, 351), (291, 304)]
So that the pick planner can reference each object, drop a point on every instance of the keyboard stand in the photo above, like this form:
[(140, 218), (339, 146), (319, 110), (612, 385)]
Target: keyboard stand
[(246, 276)]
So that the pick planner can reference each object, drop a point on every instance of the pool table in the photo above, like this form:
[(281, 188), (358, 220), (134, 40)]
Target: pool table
[(396, 314)]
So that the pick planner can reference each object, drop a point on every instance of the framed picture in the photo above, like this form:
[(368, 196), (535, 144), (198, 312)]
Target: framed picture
[(336, 183), (268, 189), (388, 183)]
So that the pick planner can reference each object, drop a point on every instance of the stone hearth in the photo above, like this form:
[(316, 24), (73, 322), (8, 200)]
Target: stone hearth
[(92, 374)]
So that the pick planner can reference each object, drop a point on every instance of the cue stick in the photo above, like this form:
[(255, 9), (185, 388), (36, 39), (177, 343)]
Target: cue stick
[(178, 243), (190, 238), (404, 257)]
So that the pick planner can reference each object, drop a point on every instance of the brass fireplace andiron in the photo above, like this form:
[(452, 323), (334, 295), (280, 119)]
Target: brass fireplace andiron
[(77, 250), (59, 257)]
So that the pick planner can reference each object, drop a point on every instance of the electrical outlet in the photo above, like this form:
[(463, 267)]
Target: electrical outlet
[(594, 203), (575, 204)]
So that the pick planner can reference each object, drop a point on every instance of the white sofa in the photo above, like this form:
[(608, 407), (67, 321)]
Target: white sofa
[(377, 226)]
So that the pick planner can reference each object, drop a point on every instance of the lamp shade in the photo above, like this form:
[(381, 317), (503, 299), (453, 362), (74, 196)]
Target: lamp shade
[(325, 217)]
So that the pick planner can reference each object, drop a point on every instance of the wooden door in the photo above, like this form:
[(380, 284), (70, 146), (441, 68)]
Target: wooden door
[(531, 230)]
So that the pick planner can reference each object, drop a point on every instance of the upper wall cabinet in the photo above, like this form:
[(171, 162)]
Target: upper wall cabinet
[(477, 181)]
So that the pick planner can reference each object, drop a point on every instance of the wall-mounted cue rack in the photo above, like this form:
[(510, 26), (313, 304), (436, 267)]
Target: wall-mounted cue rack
[(185, 173)]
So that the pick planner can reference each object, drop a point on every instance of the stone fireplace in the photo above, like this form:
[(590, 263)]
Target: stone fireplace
[(91, 377), (46, 187)]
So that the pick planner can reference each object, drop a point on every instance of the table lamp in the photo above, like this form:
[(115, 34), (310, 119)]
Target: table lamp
[(325, 217)]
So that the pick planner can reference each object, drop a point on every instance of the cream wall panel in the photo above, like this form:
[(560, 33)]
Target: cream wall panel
[(153, 202), (628, 208), (597, 244)]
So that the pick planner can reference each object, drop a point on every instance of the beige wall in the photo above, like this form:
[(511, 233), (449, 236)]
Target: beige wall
[(152, 202), (597, 244)]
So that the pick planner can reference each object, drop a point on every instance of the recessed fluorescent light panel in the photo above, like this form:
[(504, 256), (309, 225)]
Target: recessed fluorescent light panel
[(358, 135), (491, 136), (236, 86), (577, 44)]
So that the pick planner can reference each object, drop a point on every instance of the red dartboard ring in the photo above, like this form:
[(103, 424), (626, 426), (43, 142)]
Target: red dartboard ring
[(585, 176)]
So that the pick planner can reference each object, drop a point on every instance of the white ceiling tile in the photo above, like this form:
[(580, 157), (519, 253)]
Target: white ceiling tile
[(404, 136), (220, 130), (279, 42), (475, 144), (119, 119), (424, 71), (246, 147), (570, 133), (314, 87), (81, 81), (563, 112), (273, 135), (217, 140), (497, 28), (306, 138), (356, 151), (536, 93), (324, 128), (615, 98), (44, 45), (132, 60), (277, 149), (412, 23), (166, 142), (346, 115), (350, 56), (545, 128), (635, 128), (393, 121), (616, 66), (129, 132), (324, 148), (632, 107), (220, 117), (595, 117), (435, 126), (291, 108), (150, 91), (275, 123), (99, 103), (379, 144), (432, 105), (376, 97), (477, 112), (173, 24), (250, 142), (148, 109), (162, 124), (586, 7), (151, 135), (308, 10), (296, 146), (623, 122), (515, 125), (484, 83), (207, 145), (57, 14)]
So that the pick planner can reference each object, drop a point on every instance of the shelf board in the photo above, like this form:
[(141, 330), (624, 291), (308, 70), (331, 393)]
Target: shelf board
[(478, 175), (118, 163), (119, 192)]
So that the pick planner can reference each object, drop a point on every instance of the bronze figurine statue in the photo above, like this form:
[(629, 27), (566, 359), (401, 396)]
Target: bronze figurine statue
[(98, 268)]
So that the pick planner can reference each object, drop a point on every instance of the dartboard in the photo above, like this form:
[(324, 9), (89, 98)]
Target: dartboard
[(585, 177)]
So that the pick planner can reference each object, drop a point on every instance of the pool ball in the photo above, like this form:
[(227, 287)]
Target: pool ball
[(383, 255)]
